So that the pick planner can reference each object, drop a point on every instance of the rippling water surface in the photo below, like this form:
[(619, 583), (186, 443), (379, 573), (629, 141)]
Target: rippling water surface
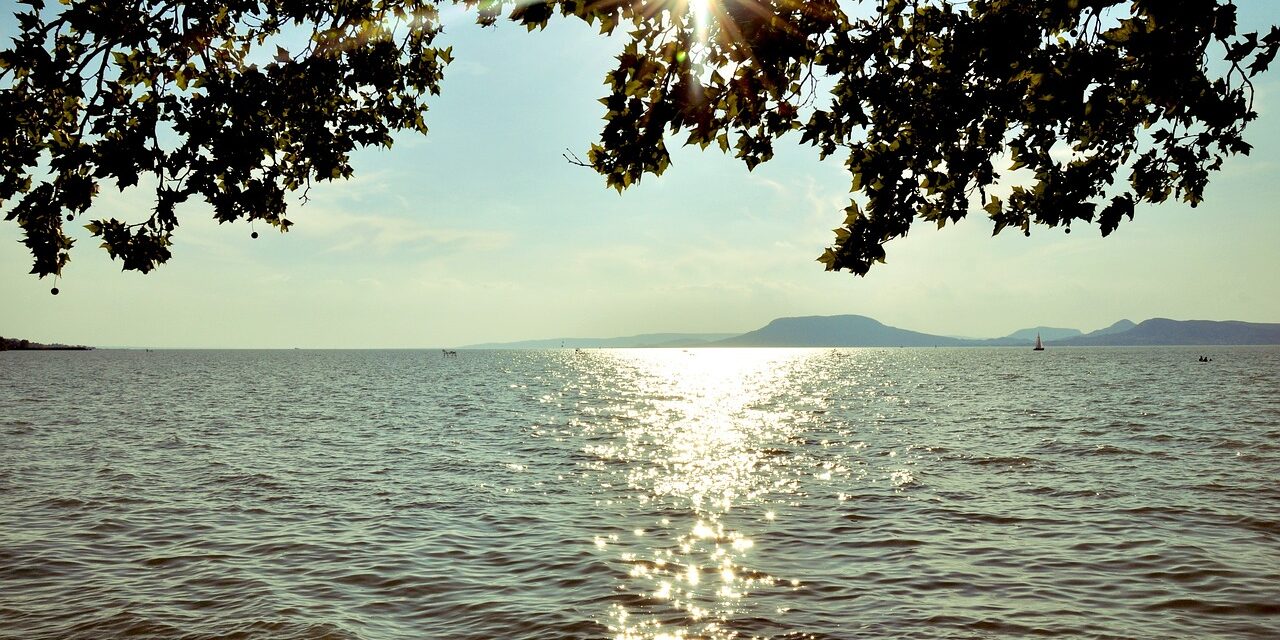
[(641, 494)]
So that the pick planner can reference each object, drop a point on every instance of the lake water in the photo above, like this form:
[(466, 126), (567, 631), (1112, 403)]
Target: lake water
[(641, 494)]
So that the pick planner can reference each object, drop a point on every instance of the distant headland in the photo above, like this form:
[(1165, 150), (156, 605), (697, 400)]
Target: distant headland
[(861, 331), (17, 344)]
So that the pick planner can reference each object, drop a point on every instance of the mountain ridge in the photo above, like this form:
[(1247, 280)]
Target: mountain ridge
[(835, 331), (1167, 332)]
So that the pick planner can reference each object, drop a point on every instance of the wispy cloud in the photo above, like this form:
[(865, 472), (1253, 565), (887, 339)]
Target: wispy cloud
[(382, 234), (370, 213)]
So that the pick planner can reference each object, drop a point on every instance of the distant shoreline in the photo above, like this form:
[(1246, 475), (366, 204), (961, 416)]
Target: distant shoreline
[(18, 344), (428, 350)]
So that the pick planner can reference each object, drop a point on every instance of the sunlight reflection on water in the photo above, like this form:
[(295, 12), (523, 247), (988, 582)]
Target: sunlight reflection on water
[(710, 443)]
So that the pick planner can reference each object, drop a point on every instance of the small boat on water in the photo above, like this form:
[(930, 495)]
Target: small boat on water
[(1039, 345)]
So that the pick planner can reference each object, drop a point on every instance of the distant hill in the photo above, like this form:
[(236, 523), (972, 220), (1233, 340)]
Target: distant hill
[(1163, 331), (1026, 337), (836, 331), (1046, 333), (1118, 327), (648, 340)]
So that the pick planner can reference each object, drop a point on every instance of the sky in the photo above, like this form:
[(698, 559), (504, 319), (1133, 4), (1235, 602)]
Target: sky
[(482, 232)]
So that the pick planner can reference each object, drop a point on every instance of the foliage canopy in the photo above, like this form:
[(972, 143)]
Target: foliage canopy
[(1097, 104)]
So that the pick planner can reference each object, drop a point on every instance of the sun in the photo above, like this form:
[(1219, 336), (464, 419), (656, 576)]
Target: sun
[(723, 20), (701, 11)]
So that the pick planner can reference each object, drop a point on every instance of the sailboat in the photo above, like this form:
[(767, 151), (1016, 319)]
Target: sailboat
[(1039, 345)]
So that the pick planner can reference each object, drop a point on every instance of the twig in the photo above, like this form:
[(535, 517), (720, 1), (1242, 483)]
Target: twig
[(572, 158)]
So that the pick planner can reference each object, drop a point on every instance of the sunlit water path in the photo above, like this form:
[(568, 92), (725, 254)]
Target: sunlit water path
[(641, 494)]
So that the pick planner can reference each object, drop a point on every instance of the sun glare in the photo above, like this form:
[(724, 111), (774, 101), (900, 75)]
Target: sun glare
[(701, 10)]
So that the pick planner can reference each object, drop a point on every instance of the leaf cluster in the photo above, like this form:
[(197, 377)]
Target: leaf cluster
[(204, 100), (1096, 105)]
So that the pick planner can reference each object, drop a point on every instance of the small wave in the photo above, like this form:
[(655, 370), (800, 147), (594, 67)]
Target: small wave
[(256, 480), (1000, 628), (65, 502), (1113, 450), (290, 630), (19, 428), (110, 525), (1121, 545), (1206, 607), (1257, 524), (1098, 493), (1193, 575), (1002, 520), (894, 543), (124, 624), (1002, 461), (171, 561), (110, 473)]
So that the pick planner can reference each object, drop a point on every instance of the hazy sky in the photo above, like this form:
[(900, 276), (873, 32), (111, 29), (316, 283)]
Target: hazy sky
[(480, 232)]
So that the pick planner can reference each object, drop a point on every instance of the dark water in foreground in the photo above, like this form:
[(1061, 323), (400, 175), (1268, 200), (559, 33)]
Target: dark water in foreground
[(642, 494)]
